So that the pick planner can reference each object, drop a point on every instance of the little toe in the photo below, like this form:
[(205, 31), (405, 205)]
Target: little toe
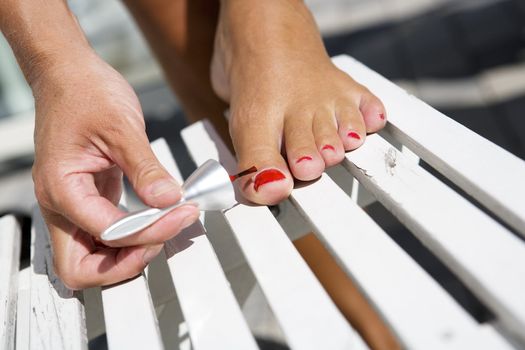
[(327, 140), (260, 147), (373, 112), (351, 126), (301, 149)]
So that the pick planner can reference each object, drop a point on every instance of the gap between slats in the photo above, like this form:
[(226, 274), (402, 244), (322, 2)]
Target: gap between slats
[(448, 225), (213, 317), (417, 309), (285, 279), (484, 170)]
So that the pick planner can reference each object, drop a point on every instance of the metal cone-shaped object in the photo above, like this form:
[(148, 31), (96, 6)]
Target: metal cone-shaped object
[(209, 188)]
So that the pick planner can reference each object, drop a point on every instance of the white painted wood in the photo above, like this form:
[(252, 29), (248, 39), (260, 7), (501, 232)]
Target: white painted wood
[(9, 263), (23, 309), (419, 311), (484, 255), (487, 172), (409, 155), (213, 317), (131, 322), (57, 315), (130, 318), (306, 314)]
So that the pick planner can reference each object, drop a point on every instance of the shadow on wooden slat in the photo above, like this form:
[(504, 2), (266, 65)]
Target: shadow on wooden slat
[(182, 241)]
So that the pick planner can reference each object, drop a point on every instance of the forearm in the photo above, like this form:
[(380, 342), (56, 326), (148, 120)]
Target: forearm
[(42, 34)]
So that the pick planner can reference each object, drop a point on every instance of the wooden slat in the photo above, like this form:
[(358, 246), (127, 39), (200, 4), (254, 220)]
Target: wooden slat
[(420, 312), (485, 255), (487, 172), (23, 309), (213, 317), (130, 317), (57, 315), (129, 314), (9, 263), (307, 316)]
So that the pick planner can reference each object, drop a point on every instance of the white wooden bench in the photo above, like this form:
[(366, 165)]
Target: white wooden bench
[(484, 248)]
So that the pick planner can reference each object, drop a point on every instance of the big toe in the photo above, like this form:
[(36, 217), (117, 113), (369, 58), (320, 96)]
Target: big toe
[(260, 147)]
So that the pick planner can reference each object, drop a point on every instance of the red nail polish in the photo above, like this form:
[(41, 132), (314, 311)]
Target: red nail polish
[(382, 116), (304, 158), (354, 135), (328, 147), (267, 176)]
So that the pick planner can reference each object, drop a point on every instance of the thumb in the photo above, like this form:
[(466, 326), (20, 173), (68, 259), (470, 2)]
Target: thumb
[(150, 180)]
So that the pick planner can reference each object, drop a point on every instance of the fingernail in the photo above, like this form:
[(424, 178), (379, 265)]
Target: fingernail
[(382, 116), (163, 186), (304, 158), (325, 147), (189, 220), (151, 253), (354, 135), (267, 176)]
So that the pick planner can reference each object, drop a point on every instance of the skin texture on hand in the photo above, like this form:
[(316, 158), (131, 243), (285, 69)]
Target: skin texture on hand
[(89, 126)]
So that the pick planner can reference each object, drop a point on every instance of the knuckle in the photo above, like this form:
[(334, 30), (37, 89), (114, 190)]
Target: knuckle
[(144, 169)]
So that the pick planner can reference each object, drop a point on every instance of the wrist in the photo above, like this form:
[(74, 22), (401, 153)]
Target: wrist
[(42, 35), (48, 67)]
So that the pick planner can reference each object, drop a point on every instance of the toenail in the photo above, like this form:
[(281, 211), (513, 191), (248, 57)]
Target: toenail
[(382, 116), (304, 158), (328, 147), (267, 176), (354, 135)]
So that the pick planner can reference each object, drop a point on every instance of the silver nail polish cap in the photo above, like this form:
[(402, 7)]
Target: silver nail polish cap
[(209, 187)]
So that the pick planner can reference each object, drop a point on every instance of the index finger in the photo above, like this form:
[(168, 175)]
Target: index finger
[(81, 202)]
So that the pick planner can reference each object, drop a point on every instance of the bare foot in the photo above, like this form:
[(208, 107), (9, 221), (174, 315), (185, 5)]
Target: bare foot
[(292, 111)]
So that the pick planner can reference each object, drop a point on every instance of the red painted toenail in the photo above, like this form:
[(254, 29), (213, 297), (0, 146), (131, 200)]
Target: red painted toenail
[(354, 135), (382, 116), (304, 158), (329, 147), (267, 176)]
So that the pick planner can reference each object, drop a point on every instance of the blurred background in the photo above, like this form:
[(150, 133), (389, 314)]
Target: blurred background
[(466, 58)]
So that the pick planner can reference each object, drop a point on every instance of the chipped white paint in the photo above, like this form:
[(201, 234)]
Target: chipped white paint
[(484, 255), (306, 314), (419, 311), (470, 161), (56, 314), (212, 315), (9, 262)]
